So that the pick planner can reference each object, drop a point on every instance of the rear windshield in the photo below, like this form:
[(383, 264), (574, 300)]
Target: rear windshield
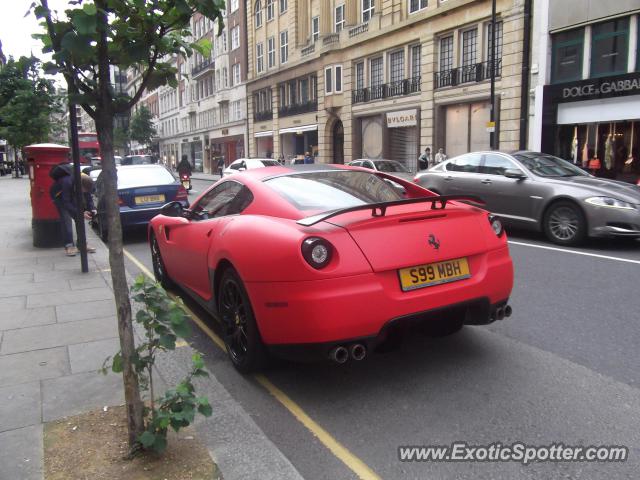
[(137, 160), (324, 191), (144, 177), (270, 163), (390, 166)]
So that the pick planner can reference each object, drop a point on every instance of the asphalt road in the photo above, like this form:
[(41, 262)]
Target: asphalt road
[(564, 368)]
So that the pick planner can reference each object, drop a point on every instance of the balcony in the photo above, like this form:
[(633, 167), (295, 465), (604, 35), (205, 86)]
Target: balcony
[(201, 67), (261, 116), (330, 39), (387, 90), (476, 72), (308, 50), (298, 108), (355, 31)]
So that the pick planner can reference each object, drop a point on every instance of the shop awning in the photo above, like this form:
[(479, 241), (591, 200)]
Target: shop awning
[(598, 111), (268, 133), (299, 129)]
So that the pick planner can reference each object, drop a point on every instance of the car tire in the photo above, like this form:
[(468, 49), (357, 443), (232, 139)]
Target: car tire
[(565, 224), (159, 270), (240, 330)]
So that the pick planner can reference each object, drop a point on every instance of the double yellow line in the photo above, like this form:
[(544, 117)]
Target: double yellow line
[(352, 462)]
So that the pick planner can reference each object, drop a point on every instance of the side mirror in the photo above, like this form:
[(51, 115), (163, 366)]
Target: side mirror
[(514, 173), (172, 209)]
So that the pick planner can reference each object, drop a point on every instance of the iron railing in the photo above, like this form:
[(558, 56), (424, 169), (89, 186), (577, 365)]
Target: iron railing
[(362, 28), (200, 67), (476, 72), (387, 90), (297, 108), (261, 116)]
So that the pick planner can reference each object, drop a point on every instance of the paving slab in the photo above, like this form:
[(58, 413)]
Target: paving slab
[(55, 276), (15, 279), (30, 268), (89, 357), (70, 263), (31, 366), (17, 261), (12, 303), (93, 281), (27, 318), (85, 310), (75, 394), (58, 335), (70, 297), (21, 454), (19, 406), (33, 288)]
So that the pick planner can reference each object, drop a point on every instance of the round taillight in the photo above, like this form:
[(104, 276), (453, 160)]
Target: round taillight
[(496, 225), (317, 252)]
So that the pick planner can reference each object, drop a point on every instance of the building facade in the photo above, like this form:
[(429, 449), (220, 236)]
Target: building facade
[(204, 117), (586, 78), (347, 79)]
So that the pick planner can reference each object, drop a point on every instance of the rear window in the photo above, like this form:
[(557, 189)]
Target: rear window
[(324, 191), (390, 166), (270, 163), (144, 177)]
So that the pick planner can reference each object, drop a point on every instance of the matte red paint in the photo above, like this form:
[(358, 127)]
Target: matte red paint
[(359, 291)]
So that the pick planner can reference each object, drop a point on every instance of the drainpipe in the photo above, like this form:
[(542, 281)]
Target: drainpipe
[(526, 66)]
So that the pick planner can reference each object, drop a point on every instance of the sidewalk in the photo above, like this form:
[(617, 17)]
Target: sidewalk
[(57, 326)]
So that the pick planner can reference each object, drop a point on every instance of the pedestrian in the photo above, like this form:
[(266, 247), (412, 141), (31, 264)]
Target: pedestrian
[(281, 159), (62, 193), (308, 158), (220, 165), (440, 156), (425, 160)]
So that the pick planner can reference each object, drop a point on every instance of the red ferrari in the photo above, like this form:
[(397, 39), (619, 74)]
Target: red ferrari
[(330, 261)]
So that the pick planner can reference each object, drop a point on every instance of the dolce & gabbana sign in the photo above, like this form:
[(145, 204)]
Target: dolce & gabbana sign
[(594, 88)]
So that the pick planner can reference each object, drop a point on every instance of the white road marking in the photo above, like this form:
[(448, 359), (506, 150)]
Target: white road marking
[(556, 249)]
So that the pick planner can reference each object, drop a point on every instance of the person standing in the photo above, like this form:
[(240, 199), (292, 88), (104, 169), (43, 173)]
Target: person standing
[(440, 156), (63, 196), (308, 158), (425, 160)]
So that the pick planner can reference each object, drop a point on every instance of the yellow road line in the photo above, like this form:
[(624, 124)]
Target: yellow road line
[(352, 462)]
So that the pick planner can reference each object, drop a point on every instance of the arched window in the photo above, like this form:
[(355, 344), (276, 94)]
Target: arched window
[(258, 13)]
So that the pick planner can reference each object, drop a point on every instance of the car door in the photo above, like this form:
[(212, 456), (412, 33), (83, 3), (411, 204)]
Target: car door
[(507, 197), (460, 176), (192, 241)]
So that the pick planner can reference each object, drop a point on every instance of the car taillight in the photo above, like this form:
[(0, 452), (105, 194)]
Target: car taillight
[(182, 193), (496, 225), (317, 252), (121, 202)]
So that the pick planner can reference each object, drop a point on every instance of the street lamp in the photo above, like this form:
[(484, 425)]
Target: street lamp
[(492, 67)]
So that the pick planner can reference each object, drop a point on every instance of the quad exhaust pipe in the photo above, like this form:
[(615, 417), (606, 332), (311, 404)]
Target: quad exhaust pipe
[(341, 353)]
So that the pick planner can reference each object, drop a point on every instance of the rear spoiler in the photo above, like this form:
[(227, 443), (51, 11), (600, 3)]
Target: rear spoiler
[(438, 202)]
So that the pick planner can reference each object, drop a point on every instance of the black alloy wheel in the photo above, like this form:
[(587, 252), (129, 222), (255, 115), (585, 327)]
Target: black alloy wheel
[(159, 270), (564, 224), (240, 331)]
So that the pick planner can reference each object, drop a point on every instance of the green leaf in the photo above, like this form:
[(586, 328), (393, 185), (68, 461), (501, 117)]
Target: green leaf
[(116, 366), (198, 363), (168, 341), (160, 443), (147, 439), (182, 330), (85, 24), (205, 410), (89, 9)]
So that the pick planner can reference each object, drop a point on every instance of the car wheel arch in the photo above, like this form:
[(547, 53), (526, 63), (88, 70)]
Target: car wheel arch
[(555, 200), (215, 277)]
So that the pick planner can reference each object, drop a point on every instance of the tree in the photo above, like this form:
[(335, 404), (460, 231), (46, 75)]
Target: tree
[(121, 139), (141, 128), (26, 102), (93, 36)]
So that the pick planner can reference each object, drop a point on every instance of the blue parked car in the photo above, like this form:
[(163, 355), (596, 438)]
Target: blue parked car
[(142, 191)]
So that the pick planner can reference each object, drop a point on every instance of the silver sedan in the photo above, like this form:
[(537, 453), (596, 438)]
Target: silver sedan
[(541, 192)]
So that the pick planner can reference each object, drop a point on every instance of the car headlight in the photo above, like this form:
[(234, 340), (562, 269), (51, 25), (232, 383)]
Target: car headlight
[(610, 203), (496, 225)]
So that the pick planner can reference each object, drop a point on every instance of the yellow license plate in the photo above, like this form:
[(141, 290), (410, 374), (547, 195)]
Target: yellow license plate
[(433, 274), (149, 199)]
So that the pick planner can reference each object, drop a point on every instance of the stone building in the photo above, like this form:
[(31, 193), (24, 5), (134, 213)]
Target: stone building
[(348, 79)]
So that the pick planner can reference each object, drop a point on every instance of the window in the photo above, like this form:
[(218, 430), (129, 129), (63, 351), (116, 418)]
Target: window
[(225, 77), (359, 76), (328, 83), (315, 28), (610, 47), (283, 6), (228, 198), (271, 10), (338, 82), (236, 110), (284, 47), (567, 55), (498, 41), (396, 66), (446, 53), (271, 52), (469, 47), (417, 5), (235, 37), (339, 18), (236, 73), (415, 61), (469, 163), (258, 13), (259, 57), (234, 5), (375, 72), (224, 41), (496, 165), (368, 9)]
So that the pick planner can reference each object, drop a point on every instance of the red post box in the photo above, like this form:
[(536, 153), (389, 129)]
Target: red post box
[(45, 222)]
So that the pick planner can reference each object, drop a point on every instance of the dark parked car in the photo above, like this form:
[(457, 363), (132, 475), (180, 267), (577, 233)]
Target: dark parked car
[(388, 166), (541, 192), (142, 191)]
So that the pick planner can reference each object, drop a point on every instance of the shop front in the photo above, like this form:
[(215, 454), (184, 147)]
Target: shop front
[(227, 144), (193, 149), (296, 141), (391, 135), (595, 123), (264, 143)]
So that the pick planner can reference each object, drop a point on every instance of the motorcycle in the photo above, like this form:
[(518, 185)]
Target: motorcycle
[(185, 180)]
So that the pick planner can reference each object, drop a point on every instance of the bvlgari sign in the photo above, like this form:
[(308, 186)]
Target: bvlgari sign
[(402, 118), (593, 88)]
